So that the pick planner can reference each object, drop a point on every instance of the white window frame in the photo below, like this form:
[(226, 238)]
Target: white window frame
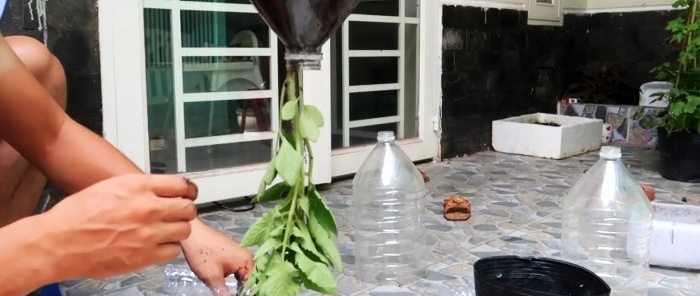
[(548, 14)]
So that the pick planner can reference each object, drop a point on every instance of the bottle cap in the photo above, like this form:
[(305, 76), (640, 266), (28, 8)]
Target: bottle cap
[(386, 136), (610, 152)]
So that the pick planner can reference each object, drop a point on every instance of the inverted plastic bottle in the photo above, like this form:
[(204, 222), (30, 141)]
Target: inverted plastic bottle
[(388, 204), (606, 225), (179, 280)]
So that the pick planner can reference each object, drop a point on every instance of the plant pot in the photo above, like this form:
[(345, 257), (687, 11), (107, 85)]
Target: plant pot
[(680, 156), (528, 276), (547, 135)]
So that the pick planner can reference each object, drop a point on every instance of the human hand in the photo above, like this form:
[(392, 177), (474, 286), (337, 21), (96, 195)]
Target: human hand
[(119, 225), (212, 257)]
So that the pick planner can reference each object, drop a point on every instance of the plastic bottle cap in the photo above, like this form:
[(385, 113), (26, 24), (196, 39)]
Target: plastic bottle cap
[(610, 152), (386, 136)]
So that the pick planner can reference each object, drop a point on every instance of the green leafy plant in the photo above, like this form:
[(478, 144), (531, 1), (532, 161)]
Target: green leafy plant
[(295, 239), (683, 112)]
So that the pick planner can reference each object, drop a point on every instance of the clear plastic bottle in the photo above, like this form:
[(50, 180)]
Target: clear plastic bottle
[(606, 225), (388, 204), (179, 280)]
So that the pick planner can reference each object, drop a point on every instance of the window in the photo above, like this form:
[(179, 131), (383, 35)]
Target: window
[(544, 12)]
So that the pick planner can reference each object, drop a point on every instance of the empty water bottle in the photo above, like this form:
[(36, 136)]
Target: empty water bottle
[(181, 281), (388, 202), (606, 225)]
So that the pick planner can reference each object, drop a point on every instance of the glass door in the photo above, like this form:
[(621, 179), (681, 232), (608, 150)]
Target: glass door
[(377, 85), (212, 88)]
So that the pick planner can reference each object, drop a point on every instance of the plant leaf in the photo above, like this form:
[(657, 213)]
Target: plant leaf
[(307, 243), (325, 242), (289, 163), (309, 129), (304, 204), (289, 110), (275, 192), (280, 279), (258, 231), (316, 276), (269, 245), (271, 172), (278, 230), (322, 213), (677, 108), (314, 114), (693, 104)]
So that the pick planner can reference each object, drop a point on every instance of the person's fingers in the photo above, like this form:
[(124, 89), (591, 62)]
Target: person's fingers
[(175, 209), (243, 271), (173, 233), (218, 286), (165, 253), (173, 186)]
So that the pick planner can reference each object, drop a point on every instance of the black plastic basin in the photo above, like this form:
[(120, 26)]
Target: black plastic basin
[(529, 276)]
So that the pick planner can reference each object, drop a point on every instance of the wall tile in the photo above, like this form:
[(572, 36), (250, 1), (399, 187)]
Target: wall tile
[(508, 68), (73, 39)]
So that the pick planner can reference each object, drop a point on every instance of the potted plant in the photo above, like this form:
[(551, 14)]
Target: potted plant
[(679, 124)]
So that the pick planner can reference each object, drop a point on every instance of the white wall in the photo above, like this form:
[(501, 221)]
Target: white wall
[(506, 4), (579, 6), (574, 4), (628, 4)]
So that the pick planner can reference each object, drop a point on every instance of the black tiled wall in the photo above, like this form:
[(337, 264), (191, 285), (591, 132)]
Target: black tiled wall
[(631, 43), (73, 38), (496, 66)]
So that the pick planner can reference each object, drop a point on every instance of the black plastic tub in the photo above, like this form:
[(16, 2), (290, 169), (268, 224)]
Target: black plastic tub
[(529, 276)]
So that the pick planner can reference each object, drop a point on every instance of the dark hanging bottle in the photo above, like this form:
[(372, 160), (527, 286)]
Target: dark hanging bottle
[(304, 25)]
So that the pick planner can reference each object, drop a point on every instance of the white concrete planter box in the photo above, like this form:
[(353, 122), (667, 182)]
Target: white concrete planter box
[(523, 135), (675, 236)]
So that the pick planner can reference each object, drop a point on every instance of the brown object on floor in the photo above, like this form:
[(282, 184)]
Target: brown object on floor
[(456, 208), (650, 191), (425, 176)]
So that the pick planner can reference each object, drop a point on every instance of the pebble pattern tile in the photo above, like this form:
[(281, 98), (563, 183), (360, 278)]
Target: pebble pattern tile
[(516, 211)]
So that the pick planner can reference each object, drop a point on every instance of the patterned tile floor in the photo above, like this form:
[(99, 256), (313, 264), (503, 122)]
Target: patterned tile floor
[(516, 203)]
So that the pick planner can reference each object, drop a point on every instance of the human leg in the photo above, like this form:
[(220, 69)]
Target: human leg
[(21, 184)]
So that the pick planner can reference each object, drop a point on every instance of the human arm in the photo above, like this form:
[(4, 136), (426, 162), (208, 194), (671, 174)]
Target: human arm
[(75, 158), (208, 245), (138, 221), (24, 266), (34, 124)]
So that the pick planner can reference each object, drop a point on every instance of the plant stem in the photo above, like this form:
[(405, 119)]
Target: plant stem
[(682, 67), (280, 126), (295, 92), (290, 215), (307, 144), (691, 20)]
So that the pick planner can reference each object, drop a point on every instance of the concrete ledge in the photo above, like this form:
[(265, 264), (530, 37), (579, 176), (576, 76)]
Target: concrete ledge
[(547, 135)]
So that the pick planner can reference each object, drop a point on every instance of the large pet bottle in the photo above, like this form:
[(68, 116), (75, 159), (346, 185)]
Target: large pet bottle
[(388, 201), (606, 225)]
